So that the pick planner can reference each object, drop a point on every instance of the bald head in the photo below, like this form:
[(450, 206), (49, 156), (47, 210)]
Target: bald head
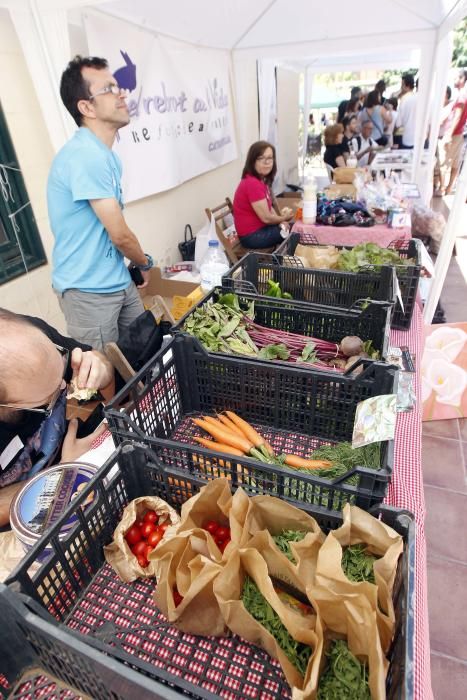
[(25, 354)]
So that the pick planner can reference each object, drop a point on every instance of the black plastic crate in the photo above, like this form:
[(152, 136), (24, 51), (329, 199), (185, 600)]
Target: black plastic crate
[(309, 285), (296, 410), (370, 321), (81, 620), (407, 275)]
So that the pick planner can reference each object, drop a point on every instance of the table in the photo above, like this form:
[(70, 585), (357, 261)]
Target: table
[(406, 491), (393, 160), (380, 234)]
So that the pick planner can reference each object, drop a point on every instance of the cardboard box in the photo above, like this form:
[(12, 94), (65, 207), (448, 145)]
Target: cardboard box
[(178, 296)]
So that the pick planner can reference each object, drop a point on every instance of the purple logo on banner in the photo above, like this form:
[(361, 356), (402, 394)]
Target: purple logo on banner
[(126, 75)]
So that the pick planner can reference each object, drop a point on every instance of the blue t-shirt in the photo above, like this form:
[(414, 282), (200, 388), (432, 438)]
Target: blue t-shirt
[(84, 256)]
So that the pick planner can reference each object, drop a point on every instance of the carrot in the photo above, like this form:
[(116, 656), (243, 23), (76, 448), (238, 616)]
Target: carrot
[(229, 424), (249, 432), (223, 436), (211, 445), (301, 463), (218, 423)]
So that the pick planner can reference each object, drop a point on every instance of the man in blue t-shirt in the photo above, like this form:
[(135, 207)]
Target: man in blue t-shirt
[(84, 196)]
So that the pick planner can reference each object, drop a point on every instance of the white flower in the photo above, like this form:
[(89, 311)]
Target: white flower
[(447, 381), (444, 343)]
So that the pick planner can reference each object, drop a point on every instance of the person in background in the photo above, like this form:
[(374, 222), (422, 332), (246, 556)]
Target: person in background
[(36, 363), (407, 113), (444, 125), (355, 94), (391, 105), (364, 145), (353, 108), (334, 153), (351, 129), (378, 115), (84, 196), (454, 134), (257, 223), (381, 88)]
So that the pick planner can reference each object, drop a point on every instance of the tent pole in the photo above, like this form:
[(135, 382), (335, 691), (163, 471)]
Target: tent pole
[(447, 245)]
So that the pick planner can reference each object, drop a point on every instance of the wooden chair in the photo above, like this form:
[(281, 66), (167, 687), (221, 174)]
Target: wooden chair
[(232, 246)]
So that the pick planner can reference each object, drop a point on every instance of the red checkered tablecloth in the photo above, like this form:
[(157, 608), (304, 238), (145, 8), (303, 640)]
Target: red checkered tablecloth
[(380, 234), (406, 491)]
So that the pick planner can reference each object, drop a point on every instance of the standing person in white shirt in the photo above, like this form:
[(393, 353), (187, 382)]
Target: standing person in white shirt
[(364, 146), (407, 111), (391, 105)]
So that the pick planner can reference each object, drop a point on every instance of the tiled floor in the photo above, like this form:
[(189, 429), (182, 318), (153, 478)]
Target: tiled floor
[(445, 477)]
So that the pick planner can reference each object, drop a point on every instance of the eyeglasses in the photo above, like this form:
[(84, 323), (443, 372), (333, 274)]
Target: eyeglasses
[(46, 410), (113, 89), (263, 159)]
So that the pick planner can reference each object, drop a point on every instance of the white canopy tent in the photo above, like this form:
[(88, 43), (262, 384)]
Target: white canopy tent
[(308, 35)]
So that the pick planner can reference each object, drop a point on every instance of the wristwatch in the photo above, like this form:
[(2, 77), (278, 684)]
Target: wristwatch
[(149, 264)]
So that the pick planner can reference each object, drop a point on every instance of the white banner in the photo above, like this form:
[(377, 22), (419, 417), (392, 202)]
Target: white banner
[(180, 106)]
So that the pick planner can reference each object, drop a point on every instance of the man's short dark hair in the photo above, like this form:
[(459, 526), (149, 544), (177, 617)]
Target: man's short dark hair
[(73, 87), (355, 91), (408, 80), (380, 86)]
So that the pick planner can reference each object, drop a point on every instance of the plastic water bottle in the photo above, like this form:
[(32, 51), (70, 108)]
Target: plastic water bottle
[(352, 159), (212, 268), (309, 203)]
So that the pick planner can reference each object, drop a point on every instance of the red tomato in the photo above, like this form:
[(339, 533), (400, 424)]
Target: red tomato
[(147, 529), (163, 527), (133, 535), (151, 517), (142, 561), (139, 549), (148, 551), (211, 526), (154, 538), (139, 522), (223, 533), (224, 545), (177, 597), (219, 543)]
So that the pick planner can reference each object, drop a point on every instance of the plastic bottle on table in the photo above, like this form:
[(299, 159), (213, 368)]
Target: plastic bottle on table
[(309, 203), (352, 159), (213, 266)]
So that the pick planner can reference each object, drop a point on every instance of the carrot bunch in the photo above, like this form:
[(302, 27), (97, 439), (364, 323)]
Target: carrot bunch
[(235, 436)]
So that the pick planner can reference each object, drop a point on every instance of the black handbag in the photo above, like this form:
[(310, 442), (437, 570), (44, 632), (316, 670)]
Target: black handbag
[(142, 339), (187, 247)]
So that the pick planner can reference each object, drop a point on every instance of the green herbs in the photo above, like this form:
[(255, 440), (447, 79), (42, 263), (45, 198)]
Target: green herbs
[(274, 351), (297, 653), (344, 677), (283, 539), (274, 290), (344, 458), (367, 254), (357, 564)]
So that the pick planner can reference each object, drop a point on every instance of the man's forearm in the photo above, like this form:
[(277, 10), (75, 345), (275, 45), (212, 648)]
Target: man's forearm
[(130, 247)]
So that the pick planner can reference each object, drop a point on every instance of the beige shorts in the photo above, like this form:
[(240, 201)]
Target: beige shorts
[(452, 151)]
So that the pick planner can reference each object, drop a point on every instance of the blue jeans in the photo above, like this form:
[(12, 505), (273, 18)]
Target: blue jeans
[(263, 237)]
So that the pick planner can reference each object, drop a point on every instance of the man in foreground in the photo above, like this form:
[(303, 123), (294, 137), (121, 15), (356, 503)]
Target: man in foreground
[(84, 196), (36, 362)]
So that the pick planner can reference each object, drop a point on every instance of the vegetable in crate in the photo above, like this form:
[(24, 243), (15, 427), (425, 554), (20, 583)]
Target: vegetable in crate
[(274, 290), (357, 563), (259, 608), (344, 676), (367, 254), (283, 539)]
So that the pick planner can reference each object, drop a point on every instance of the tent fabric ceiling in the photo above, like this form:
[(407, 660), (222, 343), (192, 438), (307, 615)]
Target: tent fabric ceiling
[(243, 24)]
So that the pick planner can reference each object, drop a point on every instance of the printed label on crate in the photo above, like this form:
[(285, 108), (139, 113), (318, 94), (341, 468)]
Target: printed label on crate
[(375, 420)]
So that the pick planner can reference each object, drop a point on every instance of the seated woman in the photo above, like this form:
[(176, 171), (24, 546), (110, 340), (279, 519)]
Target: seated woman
[(334, 153), (256, 222)]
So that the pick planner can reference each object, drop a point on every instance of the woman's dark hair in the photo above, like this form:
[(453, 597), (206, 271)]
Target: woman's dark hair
[(352, 106), (346, 120), (331, 134), (73, 87), (380, 86), (254, 152), (393, 101), (408, 80), (448, 92), (373, 99)]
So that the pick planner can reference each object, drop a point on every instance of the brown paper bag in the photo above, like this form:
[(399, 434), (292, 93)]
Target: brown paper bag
[(351, 618), (211, 503), (383, 541), (228, 588), (274, 515), (118, 554), (190, 562), (323, 257)]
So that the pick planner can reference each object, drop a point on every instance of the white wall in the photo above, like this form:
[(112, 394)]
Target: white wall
[(287, 126), (30, 293)]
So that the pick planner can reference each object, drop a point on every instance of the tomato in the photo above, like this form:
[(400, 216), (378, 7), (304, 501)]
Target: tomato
[(177, 597), (133, 535), (139, 549), (163, 527), (154, 538), (147, 529), (223, 533), (224, 545), (148, 551), (219, 543), (139, 522), (142, 561), (211, 526), (151, 517)]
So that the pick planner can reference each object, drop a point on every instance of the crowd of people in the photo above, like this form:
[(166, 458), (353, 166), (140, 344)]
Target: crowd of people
[(368, 123)]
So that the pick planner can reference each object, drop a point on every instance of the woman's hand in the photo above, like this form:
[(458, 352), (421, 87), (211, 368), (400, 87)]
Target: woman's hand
[(74, 447)]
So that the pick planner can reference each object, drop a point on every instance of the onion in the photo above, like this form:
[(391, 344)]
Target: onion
[(351, 345)]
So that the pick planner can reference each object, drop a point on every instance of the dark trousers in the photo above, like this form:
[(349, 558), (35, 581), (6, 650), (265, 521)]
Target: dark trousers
[(263, 237)]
